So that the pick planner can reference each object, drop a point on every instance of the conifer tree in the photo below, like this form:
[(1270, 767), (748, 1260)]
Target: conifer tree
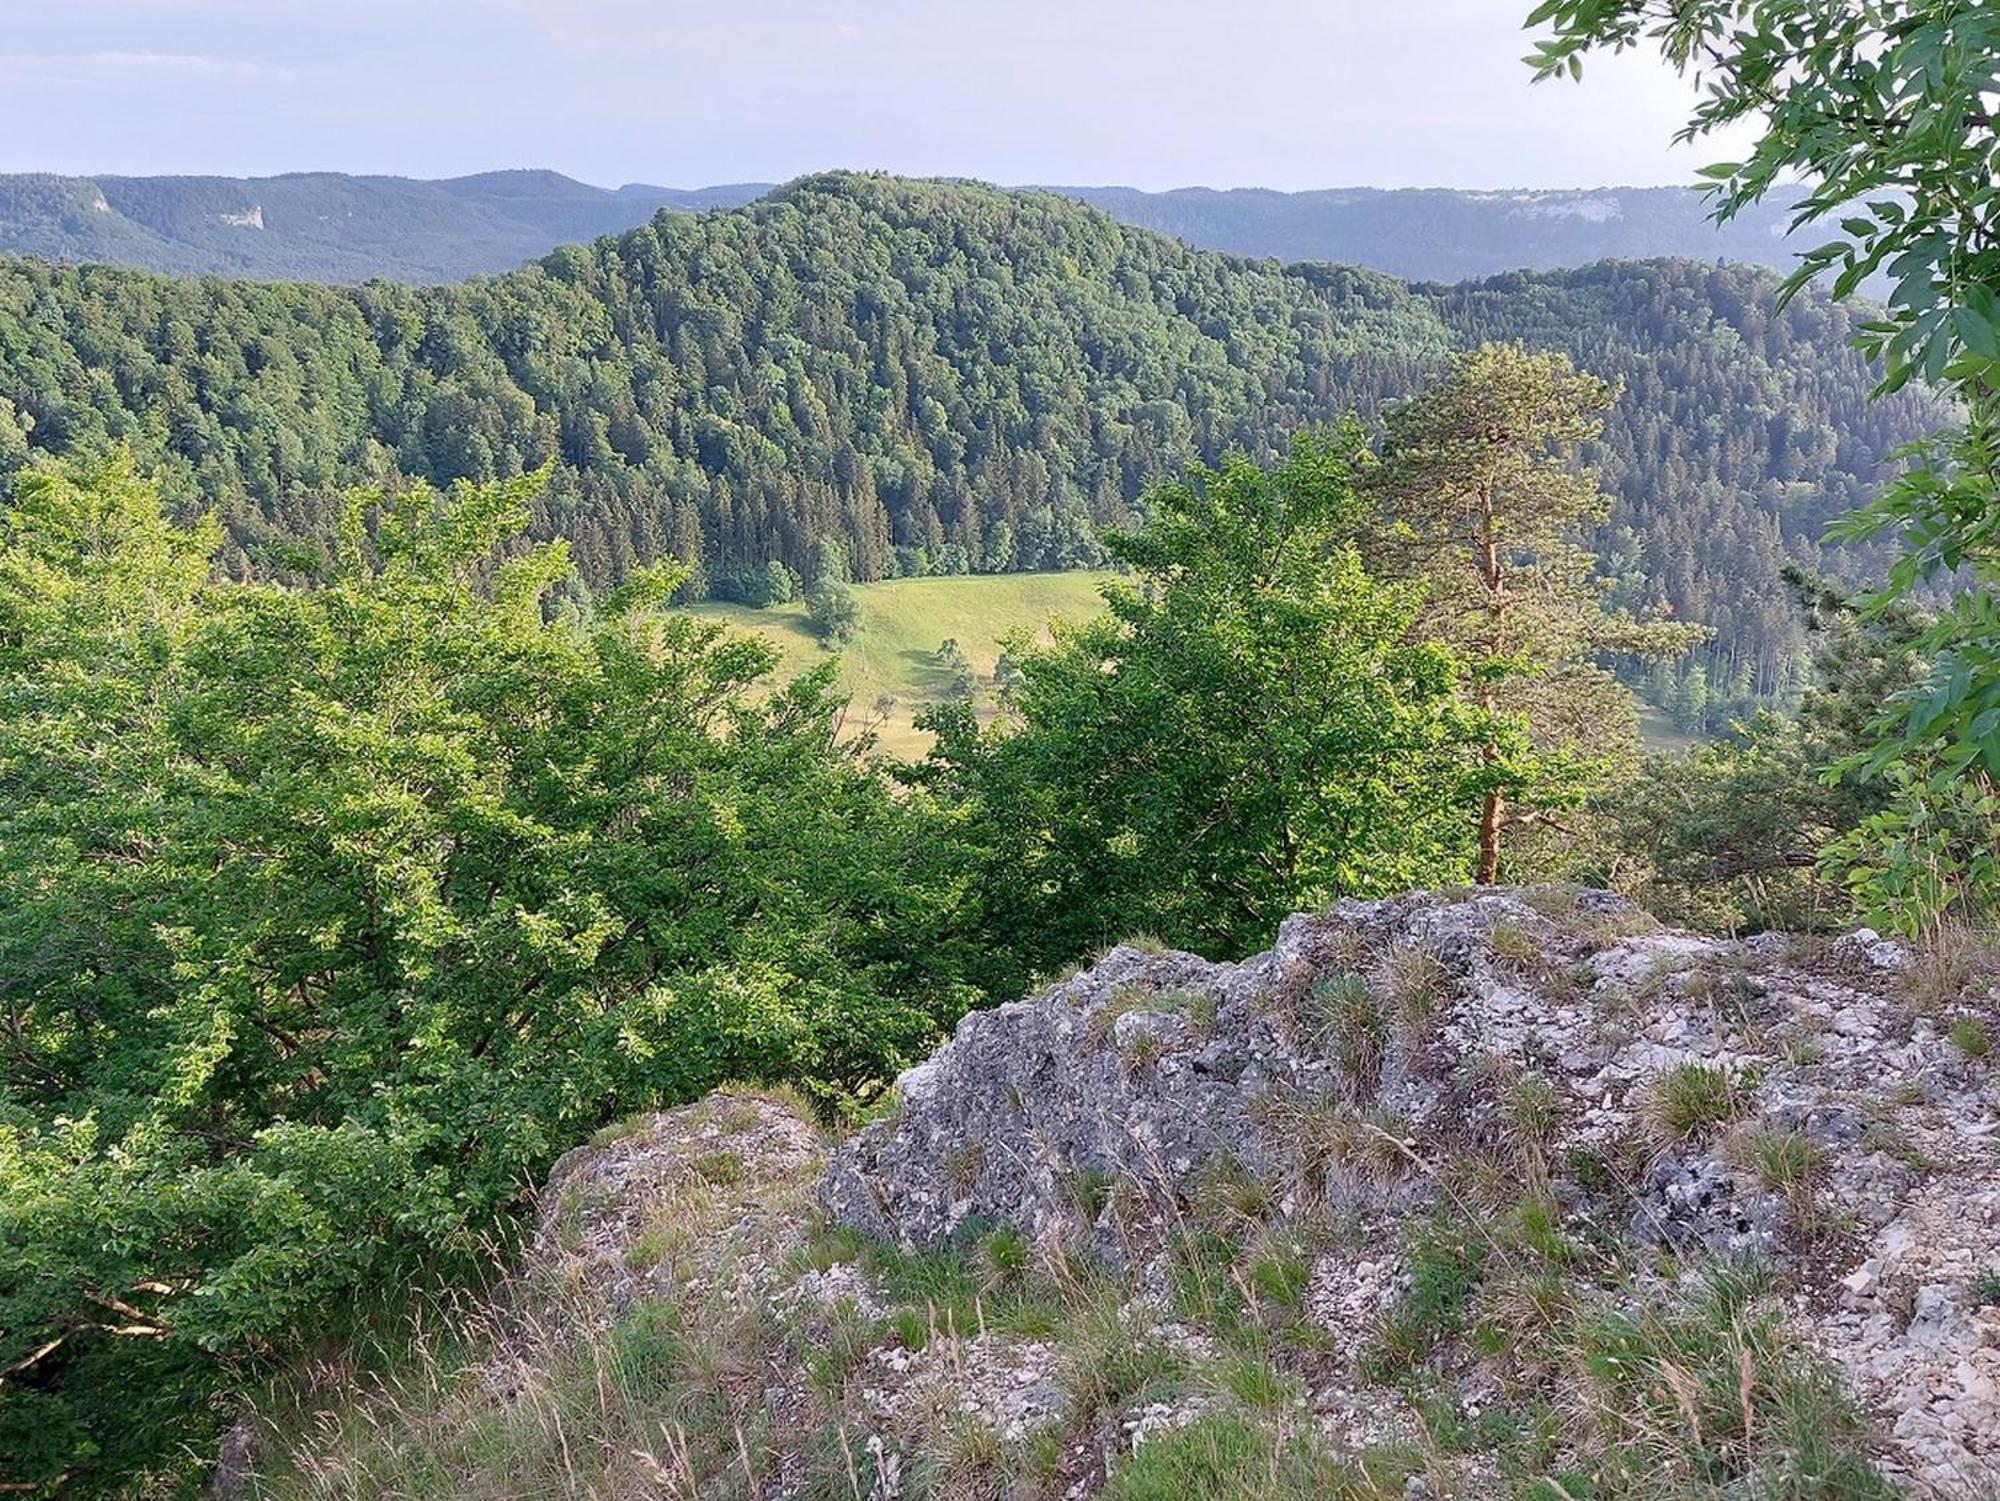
[(1488, 506)]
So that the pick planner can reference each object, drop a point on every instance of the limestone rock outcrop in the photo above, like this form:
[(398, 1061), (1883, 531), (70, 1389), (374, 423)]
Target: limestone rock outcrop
[(1803, 1105)]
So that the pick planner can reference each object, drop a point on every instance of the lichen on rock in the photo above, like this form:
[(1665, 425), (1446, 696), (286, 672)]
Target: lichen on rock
[(1767, 1100)]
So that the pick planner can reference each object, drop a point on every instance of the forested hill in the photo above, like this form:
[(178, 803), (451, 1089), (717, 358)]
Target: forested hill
[(942, 376)]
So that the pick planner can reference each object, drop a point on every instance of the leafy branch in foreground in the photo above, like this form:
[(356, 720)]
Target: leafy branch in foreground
[(1885, 108)]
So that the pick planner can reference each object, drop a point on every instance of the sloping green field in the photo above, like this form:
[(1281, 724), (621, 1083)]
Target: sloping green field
[(903, 622)]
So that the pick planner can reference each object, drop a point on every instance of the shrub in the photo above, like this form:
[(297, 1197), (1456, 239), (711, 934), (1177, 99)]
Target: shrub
[(330, 915), (833, 611)]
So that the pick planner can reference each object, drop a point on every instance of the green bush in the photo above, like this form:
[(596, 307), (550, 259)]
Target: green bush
[(331, 914)]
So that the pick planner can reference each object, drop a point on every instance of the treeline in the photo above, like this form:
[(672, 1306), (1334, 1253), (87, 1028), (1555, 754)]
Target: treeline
[(941, 377)]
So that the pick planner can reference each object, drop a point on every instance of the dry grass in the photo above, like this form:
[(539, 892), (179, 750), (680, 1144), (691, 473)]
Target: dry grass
[(1954, 966), (1692, 1102), (1417, 983)]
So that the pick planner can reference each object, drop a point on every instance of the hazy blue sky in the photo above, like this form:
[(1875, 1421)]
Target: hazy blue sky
[(1156, 93)]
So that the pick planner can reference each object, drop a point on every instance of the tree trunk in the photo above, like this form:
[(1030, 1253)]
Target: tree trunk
[(1489, 838), (1493, 812)]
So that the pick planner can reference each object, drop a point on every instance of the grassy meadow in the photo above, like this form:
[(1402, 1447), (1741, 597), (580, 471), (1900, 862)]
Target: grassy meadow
[(903, 622)]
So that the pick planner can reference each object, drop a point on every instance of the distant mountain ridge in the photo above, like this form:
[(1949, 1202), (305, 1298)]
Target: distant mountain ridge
[(327, 226), (335, 227), (1450, 234)]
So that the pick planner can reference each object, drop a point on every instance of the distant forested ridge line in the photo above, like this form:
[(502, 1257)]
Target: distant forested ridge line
[(343, 228), (327, 226), (942, 377)]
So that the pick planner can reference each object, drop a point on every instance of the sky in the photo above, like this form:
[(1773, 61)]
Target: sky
[(1150, 93)]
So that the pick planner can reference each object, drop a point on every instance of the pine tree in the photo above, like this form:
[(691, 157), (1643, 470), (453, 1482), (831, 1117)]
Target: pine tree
[(1486, 505)]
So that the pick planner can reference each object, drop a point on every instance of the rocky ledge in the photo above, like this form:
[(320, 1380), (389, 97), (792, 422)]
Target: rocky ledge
[(1823, 1110), (1496, 1194)]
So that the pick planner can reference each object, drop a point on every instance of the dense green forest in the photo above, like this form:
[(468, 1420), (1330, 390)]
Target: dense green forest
[(945, 378)]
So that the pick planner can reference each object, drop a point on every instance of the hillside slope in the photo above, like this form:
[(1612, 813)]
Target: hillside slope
[(942, 377), (325, 226), (1448, 234)]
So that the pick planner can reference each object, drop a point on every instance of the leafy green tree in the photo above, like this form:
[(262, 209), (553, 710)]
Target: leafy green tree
[(833, 611), (1885, 109), (1248, 733), (1733, 834), (1487, 508), (331, 914), (781, 585), (957, 669)]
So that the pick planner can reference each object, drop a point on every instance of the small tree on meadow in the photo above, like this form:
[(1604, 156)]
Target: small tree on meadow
[(1487, 506)]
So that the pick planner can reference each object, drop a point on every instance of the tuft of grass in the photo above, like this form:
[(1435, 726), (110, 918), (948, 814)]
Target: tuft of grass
[(1786, 1162), (1341, 1015), (1951, 965), (962, 1166), (1233, 1456), (1142, 1051), (1417, 983), (1123, 1001), (1004, 1256), (845, 1339), (632, 1125), (1887, 1136), (1986, 1288), (1113, 1357), (1227, 1197), (1531, 1109), (722, 1167), (663, 1239), (1558, 899), (1281, 1275), (1255, 1382), (1970, 1036), (1706, 1395), (967, 1457), (1443, 1263), (1692, 1101), (1089, 1189), (1514, 942)]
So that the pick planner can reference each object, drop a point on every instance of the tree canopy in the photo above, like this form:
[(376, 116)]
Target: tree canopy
[(1250, 731), (944, 378), (331, 914)]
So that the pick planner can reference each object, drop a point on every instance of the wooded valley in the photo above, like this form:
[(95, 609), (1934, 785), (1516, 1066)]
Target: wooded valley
[(946, 378)]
